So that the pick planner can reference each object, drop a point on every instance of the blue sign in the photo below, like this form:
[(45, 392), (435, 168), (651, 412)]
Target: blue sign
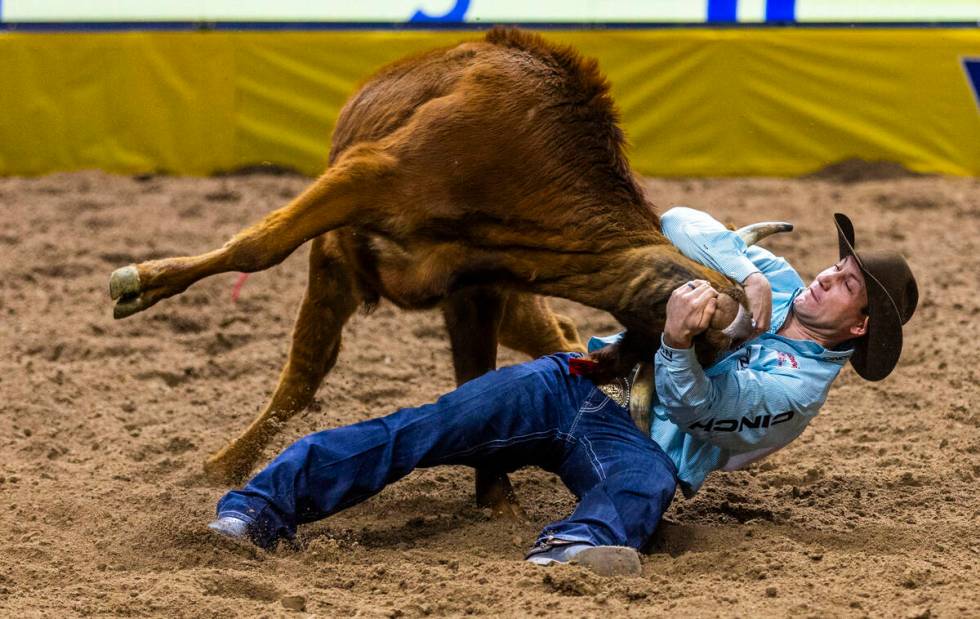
[(726, 11), (780, 11), (481, 13), (972, 68), (722, 11), (457, 14)]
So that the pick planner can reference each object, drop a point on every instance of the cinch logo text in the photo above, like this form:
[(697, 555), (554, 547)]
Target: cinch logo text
[(737, 425)]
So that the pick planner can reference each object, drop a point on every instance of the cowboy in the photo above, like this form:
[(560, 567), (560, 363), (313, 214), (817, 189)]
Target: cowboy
[(752, 401)]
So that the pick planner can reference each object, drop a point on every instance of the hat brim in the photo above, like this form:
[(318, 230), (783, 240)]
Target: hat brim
[(876, 353)]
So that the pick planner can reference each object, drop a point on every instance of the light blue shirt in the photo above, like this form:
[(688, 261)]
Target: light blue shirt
[(755, 399)]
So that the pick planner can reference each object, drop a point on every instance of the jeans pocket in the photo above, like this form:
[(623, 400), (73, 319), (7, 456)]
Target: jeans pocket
[(595, 403), (596, 400)]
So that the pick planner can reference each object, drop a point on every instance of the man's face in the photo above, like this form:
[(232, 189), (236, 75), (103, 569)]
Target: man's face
[(834, 303)]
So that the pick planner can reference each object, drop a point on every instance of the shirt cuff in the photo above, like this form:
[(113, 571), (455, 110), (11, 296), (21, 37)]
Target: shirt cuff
[(596, 342), (676, 357)]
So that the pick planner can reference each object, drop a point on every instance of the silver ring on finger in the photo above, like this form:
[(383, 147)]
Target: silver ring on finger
[(691, 285)]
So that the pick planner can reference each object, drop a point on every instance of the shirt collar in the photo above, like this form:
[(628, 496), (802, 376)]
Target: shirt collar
[(808, 347)]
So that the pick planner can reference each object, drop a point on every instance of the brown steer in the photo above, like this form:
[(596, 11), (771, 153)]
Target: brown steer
[(469, 178)]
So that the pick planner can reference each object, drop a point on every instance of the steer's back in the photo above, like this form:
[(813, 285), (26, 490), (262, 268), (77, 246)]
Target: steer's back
[(532, 127), (387, 100)]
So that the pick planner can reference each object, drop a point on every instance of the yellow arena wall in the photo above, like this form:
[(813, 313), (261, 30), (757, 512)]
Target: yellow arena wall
[(694, 102)]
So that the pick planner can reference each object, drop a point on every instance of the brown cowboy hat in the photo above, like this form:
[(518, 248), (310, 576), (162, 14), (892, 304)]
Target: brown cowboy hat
[(892, 297)]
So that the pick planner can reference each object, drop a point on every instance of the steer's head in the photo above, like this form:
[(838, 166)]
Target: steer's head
[(730, 326), (732, 323)]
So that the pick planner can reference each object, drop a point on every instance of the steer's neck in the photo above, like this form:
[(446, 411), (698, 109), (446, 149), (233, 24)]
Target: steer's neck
[(633, 284)]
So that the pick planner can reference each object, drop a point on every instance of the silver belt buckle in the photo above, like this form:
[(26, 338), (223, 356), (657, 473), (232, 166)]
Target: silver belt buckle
[(618, 391), (634, 393)]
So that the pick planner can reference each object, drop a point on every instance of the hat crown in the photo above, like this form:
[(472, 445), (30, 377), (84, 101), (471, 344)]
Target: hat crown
[(893, 274)]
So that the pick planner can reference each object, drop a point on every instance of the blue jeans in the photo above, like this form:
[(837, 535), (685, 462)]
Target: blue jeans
[(535, 413)]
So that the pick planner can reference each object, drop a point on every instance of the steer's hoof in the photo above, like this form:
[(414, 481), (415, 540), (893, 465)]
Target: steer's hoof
[(222, 472), (124, 282), (125, 289), (508, 510)]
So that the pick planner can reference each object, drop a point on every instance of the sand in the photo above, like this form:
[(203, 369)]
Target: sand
[(104, 426)]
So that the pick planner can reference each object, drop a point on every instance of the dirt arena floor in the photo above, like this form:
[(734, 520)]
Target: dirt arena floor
[(104, 425)]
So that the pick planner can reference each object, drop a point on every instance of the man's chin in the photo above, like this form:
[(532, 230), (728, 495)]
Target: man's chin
[(805, 311)]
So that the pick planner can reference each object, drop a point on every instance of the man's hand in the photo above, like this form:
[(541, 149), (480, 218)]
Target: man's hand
[(689, 312), (759, 293)]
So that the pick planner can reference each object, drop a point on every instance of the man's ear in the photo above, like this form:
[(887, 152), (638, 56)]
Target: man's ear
[(860, 329)]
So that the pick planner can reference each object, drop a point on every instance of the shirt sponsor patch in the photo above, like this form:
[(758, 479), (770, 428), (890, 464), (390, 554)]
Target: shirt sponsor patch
[(787, 360)]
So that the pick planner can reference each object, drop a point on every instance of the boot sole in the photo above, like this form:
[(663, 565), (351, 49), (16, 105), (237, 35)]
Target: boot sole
[(610, 560)]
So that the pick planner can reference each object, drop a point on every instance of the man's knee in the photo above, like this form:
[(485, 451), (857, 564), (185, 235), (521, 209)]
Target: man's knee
[(642, 485), (663, 489)]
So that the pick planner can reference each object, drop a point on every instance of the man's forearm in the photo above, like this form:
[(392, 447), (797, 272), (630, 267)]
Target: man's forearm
[(701, 237)]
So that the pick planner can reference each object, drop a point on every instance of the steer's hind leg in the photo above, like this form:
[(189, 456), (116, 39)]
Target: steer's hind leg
[(331, 297), (473, 318), (344, 192)]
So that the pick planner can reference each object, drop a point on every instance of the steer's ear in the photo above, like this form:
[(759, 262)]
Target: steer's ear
[(729, 306), (709, 345)]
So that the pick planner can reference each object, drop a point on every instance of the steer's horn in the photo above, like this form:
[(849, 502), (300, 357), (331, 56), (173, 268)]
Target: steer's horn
[(641, 395), (740, 328), (754, 233)]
